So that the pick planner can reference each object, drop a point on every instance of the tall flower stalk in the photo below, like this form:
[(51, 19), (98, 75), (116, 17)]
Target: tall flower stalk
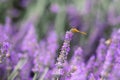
[(110, 57), (61, 60)]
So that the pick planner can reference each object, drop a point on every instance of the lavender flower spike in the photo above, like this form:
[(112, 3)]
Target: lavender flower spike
[(110, 58), (64, 52), (108, 63), (78, 56), (77, 69), (80, 73), (101, 53)]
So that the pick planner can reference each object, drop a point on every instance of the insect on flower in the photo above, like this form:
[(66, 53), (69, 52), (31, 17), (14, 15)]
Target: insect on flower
[(74, 30)]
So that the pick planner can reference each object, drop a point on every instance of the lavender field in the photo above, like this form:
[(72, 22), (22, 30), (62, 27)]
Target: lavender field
[(59, 40)]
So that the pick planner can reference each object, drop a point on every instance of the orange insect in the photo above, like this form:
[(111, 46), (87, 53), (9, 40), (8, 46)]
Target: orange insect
[(74, 30)]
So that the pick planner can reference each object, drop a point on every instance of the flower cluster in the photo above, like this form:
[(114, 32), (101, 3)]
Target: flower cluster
[(41, 40), (36, 60)]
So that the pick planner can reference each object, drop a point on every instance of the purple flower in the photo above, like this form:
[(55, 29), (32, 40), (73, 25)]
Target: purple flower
[(39, 57), (45, 56), (110, 57), (77, 66), (77, 57), (115, 74), (51, 47), (29, 46), (101, 50), (91, 77), (80, 73), (91, 64), (30, 41), (101, 53), (63, 54)]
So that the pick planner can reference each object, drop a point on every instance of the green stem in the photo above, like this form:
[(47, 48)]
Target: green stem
[(13, 75), (18, 67), (35, 76), (45, 72)]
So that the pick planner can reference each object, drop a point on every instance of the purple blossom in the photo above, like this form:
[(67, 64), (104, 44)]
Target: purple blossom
[(80, 73), (30, 41), (47, 49), (63, 54), (39, 57), (78, 56), (91, 77), (115, 74), (90, 65), (51, 47), (101, 53), (101, 50), (29, 46), (110, 57), (77, 66)]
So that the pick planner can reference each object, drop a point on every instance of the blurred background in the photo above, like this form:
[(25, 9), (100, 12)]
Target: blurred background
[(98, 18)]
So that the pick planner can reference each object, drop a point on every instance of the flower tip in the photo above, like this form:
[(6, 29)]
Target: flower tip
[(7, 55), (74, 30), (108, 41)]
